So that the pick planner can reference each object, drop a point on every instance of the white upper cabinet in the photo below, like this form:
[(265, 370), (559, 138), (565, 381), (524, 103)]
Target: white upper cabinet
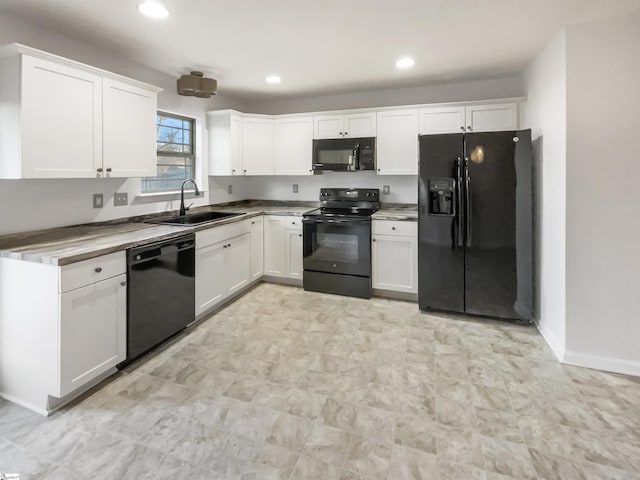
[(470, 118), (397, 143), (257, 146), (129, 130), (63, 119), (492, 118), (54, 116), (442, 120), (294, 141), (353, 125), (225, 143)]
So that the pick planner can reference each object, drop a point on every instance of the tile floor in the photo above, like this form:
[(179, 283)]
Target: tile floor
[(287, 384)]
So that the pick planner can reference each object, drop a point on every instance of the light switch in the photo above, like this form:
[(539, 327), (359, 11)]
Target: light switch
[(97, 200), (295, 188), (386, 189)]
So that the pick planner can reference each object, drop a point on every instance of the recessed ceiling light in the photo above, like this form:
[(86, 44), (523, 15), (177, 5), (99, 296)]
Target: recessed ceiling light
[(273, 79), (153, 10), (405, 62)]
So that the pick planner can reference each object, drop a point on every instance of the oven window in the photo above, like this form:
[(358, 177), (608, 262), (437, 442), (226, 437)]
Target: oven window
[(332, 247), (336, 157)]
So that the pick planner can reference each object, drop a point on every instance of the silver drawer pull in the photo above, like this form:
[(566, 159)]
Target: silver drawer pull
[(98, 269), (124, 284)]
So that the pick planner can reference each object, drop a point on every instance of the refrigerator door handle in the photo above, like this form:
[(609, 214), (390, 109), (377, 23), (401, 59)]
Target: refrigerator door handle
[(467, 191), (460, 201)]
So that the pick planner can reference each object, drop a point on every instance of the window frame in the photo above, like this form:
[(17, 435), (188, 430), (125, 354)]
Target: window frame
[(160, 153)]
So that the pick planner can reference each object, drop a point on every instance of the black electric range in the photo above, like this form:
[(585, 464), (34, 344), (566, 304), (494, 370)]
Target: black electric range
[(337, 242)]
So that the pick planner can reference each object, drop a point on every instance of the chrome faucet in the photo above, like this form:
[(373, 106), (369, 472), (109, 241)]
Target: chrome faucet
[(183, 210)]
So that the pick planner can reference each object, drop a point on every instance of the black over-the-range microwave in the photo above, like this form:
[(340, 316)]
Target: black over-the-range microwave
[(345, 154)]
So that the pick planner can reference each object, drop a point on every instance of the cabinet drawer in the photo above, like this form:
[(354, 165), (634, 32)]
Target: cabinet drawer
[(221, 233), (394, 227), (90, 271), (293, 223)]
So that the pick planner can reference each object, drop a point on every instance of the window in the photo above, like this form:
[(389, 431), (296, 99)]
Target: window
[(176, 160)]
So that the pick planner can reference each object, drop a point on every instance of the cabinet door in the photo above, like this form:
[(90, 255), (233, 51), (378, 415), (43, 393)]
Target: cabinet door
[(358, 125), (210, 278), (442, 120), (274, 246), (257, 247), (294, 141), (235, 144), (328, 126), (395, 263), (93, 333), (293, 254), (257, 146), (61, 128), (492, 118), (225, 143), (397, 148), (129, 123), (237, 262)]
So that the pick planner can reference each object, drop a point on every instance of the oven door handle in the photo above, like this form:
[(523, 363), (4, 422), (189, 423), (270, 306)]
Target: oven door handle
[(351, 221)]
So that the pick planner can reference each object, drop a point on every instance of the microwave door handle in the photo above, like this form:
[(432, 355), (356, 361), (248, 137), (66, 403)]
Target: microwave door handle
[(356, 157)]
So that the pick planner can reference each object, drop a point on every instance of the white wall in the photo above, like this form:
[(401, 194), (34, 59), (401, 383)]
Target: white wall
[(34, 204), (546, 90), (603, 198), (403, 189), (502, 87)]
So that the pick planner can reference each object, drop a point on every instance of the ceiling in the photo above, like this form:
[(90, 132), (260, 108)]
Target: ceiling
[(321, 46)]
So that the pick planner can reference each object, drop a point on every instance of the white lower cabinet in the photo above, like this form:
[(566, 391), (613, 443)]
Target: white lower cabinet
[(257, 247), (210, 281), (394, 255), (283, 246), (293, 254), (62, 328), (237, 263), (93, 322), (223, 263), (274, 250)]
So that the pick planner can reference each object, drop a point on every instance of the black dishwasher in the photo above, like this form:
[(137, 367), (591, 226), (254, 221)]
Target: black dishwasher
[(160, 292)]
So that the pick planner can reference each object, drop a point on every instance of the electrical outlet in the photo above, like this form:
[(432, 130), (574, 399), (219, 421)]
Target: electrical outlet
[(386, 190), (230, 189), (120, 199), (295, 188), (98, 200)]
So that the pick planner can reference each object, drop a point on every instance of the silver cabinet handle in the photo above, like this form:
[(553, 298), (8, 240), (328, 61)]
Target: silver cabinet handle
[(299, 234), (124, 284), (98, 269), (393, 228), (469, 128), (99, 170), (109, 169)]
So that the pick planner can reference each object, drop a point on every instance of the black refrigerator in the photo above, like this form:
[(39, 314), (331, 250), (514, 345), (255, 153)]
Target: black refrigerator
[(475, 250)]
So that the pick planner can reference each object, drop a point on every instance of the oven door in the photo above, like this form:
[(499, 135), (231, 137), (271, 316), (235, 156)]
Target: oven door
[(337, 245)]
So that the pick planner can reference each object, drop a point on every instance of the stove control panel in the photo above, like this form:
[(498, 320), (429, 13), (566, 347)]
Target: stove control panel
[(350, 194)]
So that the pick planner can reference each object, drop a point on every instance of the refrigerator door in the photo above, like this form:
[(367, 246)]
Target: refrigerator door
[(498, 257), (440, 238)]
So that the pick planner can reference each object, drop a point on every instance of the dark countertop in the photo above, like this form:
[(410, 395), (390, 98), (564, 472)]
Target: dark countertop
[(397, 211), (66, 245)]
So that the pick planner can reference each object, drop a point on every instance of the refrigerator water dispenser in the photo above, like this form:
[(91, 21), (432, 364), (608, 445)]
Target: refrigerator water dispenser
[(442, 196)]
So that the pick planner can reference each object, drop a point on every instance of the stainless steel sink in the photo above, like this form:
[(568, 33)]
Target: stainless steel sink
[(196, 218)]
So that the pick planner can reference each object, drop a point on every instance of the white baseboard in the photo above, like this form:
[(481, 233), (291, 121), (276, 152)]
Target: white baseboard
[(608, 364), (26, 405), (554, 343)]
